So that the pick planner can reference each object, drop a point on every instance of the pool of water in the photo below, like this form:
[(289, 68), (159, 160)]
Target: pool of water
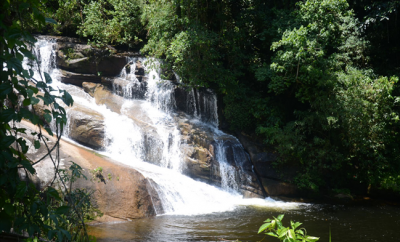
[(353, 223)]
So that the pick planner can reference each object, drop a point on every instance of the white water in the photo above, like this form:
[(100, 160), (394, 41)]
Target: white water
[(126, 143)]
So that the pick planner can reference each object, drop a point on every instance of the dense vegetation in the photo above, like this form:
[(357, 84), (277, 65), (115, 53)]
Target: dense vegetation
[(317, 80), (27, 210)]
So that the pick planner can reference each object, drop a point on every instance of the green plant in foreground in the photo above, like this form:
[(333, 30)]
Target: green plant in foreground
[(275, 228), (97, 174)]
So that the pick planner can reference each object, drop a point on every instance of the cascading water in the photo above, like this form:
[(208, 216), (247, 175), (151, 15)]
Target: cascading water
[(232, 175), (133, 144)]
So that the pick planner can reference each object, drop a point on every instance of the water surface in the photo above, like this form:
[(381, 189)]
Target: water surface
[(352, 223)]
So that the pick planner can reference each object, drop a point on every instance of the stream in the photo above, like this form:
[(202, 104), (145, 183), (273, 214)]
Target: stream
[(348, 223)]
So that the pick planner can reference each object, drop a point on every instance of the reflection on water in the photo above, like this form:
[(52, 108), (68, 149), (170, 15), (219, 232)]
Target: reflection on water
[(348, 223)]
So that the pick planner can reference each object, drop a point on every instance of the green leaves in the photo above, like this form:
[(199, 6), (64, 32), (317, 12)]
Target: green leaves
[(62, 210), (47, 78), (50, 20), (275, 228), (67, 98)]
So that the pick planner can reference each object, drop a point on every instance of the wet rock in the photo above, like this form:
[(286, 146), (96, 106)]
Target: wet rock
[(344, 197), (280, 188), (139, 70), (89, 87), (129, 88), (196, 102), (134, 110), (200, 151), (125, 193), (77, 79), (86, 127), (85, 59)]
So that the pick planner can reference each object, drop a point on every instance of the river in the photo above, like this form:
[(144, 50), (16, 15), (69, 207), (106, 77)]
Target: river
[(348, 223)]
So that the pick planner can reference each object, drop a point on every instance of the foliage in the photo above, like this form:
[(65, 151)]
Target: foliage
[(45, 213), (345, 118), (97, 174), (114, 21), (276, 229)]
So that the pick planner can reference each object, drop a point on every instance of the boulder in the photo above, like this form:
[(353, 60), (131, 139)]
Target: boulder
[(86, 127), (123, 194)]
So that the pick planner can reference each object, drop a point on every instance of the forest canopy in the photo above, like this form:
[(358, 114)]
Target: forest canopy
[(316, 80)]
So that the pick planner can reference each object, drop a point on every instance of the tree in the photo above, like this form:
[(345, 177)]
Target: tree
[(22, 207), (343, 111)]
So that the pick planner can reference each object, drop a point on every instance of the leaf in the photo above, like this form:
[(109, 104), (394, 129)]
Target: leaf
[(7, 141), (272, 234), (22, 143), (37, 144), (5, 221), (282, 232), (34, 208), (21, 190), (9, 209), (280, 217), (50, 20), (48, 78), (8, 115), (51, 234), (66, 233), (67, 98), (54, 218), (296, 225), (292, 234), (62, 210), (47, 117), (53, 193), (27, 165), (264, 227), (312, 239), (23, 6), (49, 131), (26, 102), (5, 88), (300, 231), (34, 100)]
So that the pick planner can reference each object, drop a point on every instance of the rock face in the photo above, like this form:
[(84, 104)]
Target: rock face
[(130, 88), (77, 79), (196, 102), (122, 195), (85, 59), (272, 181), (200, 150)]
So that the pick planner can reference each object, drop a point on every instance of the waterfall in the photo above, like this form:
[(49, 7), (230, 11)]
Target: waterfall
[(158, 141), (232, 175)]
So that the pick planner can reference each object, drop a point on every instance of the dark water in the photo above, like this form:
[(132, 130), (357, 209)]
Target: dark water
[(347, 223)]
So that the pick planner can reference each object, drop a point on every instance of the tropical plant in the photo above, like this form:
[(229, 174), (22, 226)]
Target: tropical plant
[(274, 227), (47, 213)]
